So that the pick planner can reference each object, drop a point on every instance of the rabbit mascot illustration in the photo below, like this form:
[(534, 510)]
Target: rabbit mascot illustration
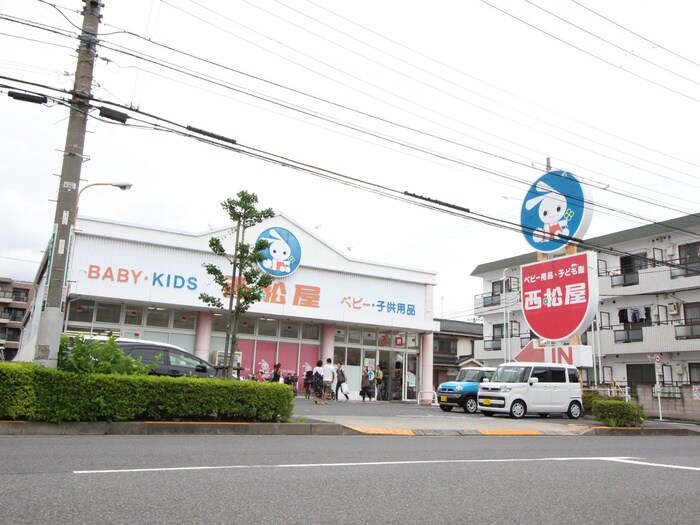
[(552, 209), (280, 252)]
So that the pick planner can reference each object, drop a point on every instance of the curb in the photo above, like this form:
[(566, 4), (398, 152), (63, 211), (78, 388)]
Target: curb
[(37, 428)]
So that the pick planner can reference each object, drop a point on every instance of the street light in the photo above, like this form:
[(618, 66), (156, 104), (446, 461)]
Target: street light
[(121, 185)]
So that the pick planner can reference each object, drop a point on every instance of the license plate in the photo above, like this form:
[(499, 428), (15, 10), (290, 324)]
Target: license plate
[(486, 402), (443, 399)]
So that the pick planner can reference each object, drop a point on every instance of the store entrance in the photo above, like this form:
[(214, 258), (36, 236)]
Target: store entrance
[(399, 374)]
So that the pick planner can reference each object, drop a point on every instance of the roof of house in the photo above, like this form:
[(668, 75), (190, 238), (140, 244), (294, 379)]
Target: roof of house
[(460, 327)]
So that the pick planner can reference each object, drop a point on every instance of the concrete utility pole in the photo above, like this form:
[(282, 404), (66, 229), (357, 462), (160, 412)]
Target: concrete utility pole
[(53, 307)]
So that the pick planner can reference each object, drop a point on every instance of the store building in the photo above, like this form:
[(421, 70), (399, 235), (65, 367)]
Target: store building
[(145, 283), (649, 306)]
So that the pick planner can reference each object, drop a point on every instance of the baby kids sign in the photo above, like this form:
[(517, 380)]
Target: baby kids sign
[(556, 206), (559, 296)]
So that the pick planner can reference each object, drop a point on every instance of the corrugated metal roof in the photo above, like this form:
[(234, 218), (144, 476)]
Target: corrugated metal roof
[(648, 230)]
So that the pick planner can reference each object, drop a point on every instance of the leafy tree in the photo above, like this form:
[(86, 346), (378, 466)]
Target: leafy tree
[(89, 356), (247, 282)]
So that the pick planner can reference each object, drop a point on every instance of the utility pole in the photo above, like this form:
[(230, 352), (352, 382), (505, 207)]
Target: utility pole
[(60, 247)]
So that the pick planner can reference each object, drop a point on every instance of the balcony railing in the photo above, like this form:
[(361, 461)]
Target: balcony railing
[(492, 344), (689, 330), (688, 267), (629, 335), (624, 279), (490, 299)]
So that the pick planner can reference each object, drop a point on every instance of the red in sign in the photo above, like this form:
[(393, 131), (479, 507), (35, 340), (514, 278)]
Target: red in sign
[(559, 296)]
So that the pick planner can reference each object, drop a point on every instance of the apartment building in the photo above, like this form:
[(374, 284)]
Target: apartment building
[(15, 298), (648, 315)]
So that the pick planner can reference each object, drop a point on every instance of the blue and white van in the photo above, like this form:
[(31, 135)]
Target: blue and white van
[(463, 390)]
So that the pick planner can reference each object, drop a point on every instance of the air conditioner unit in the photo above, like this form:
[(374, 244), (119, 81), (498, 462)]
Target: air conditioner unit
[(673, 308)]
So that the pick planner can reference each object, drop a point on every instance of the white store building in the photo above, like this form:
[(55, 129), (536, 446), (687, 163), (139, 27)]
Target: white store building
[(649, 305), (142, 282)]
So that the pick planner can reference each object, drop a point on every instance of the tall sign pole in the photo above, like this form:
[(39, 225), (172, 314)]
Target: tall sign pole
[(54, 300)]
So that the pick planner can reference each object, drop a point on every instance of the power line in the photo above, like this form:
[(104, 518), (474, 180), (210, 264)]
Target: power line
[(592, 55)]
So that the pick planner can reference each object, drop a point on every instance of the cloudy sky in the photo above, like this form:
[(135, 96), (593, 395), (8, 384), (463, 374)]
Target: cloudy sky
[(461, 101)]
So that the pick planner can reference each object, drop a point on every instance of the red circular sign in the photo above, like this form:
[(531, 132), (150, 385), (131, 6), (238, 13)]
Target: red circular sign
[(559, 296)]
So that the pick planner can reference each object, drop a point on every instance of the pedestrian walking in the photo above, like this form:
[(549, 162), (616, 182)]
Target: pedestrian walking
[(328, 378), (317, 379), (341, 380), (276, 373), (364, 384)]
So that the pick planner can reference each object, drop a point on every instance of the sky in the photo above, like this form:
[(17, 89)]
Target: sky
[(461, 101)]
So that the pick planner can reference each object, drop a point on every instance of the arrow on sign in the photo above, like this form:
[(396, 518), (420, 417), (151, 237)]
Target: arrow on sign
[(531, 353)]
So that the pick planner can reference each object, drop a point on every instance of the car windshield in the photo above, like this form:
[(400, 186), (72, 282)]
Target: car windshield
[(467, 374), (511, 374)]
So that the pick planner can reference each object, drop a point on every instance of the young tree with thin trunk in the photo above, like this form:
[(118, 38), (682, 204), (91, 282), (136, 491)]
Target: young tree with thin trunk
[(247, 282)]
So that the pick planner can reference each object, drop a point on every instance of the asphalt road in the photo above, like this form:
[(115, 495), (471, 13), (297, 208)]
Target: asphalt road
[(348, 479)]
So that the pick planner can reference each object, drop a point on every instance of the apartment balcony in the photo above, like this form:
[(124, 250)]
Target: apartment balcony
[(491, 303), (6, 297), (646, 339), (652, 280)]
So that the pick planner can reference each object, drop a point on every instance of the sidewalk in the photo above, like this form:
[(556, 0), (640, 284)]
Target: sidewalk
[(358, 418)]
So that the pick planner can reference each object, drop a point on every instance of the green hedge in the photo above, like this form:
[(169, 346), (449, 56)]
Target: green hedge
[(617, 413), (42, 394)]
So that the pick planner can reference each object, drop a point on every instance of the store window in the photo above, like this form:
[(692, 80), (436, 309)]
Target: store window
[(355, 336), (184, 319), (108, 313), (369, 338), (133, 315), (310, 331), (158, 317), (219, 322), (354, 356), (246, 325), (340, 335), (289, 330), (81, 311), (267, 327)]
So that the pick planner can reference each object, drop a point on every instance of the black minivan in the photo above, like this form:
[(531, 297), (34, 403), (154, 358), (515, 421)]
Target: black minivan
[(173, 362)]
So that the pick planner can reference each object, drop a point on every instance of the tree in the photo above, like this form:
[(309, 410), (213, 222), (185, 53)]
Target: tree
[(89, 356), (247, 282)]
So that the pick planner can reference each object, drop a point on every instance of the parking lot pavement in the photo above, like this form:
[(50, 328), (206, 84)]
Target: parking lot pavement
[(414, 419)]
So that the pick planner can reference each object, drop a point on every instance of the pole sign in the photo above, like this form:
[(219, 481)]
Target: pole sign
[(559, 296), (556, 205)]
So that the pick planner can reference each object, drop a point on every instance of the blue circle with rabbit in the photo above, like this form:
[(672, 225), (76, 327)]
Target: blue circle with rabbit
[(556, 209), (283, 254)]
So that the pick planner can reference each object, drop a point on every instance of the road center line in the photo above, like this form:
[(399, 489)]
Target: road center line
[(363, 464)]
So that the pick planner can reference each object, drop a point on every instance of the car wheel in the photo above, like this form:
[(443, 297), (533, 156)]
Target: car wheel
[(470, 406), (574, 411), (517, 409), (486, 413), (445, 408), (543, 414)]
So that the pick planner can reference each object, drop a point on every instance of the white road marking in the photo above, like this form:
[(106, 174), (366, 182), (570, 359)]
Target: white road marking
[(620, 459), (647, 464)]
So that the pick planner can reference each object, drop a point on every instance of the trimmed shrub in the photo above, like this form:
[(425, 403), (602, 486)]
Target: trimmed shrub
[(44, 394), (17, 397), (588, 397), (617, 413)]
